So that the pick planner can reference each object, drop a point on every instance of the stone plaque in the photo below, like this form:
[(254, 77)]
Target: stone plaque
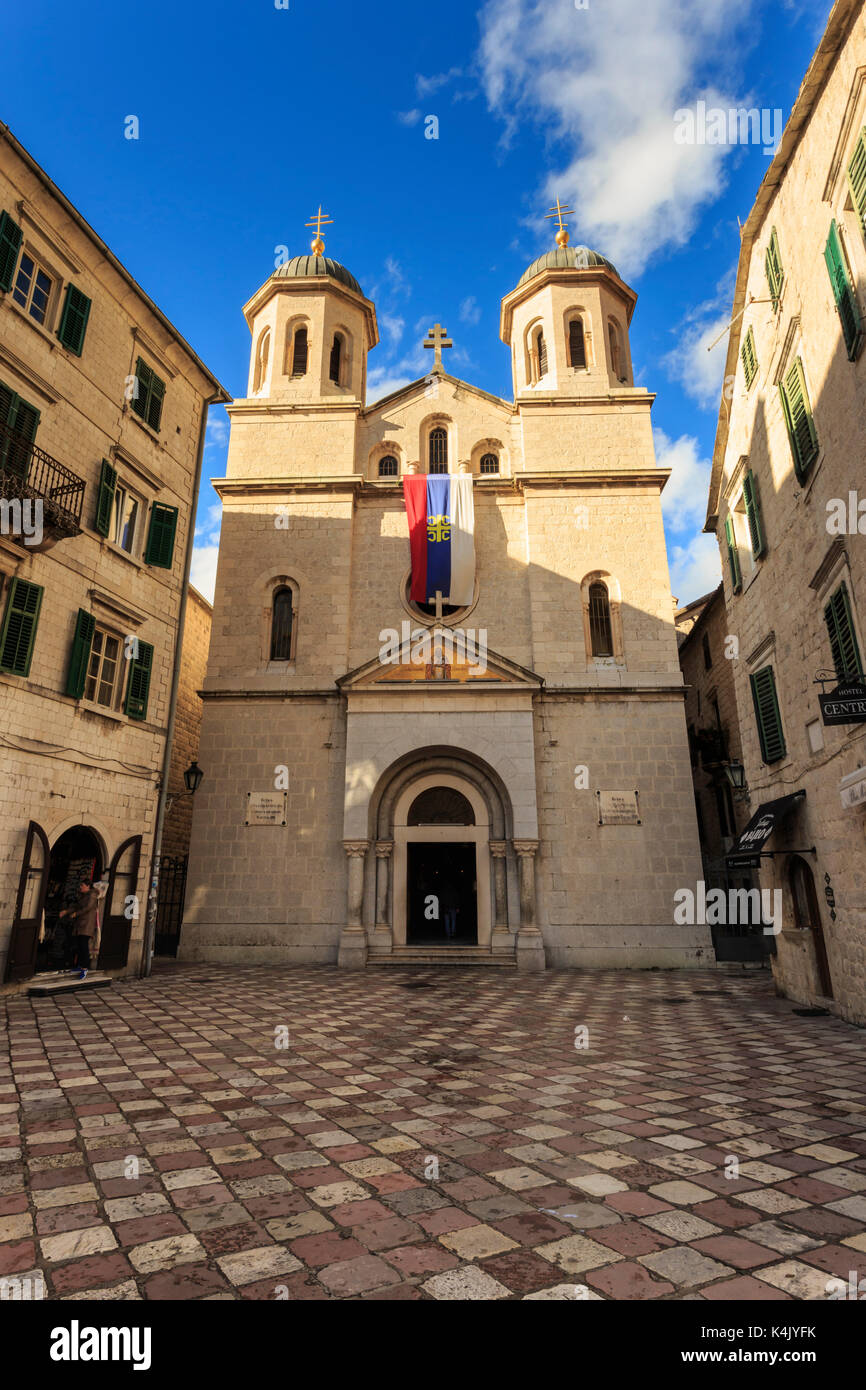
[(266, 808), (618, 808)]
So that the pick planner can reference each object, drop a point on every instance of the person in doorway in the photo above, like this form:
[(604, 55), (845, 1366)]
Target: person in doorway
[(85, 926), (449, 906)]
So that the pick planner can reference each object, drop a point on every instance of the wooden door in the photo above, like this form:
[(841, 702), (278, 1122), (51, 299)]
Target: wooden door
[(32, 887), (807, 915), (118, 913)]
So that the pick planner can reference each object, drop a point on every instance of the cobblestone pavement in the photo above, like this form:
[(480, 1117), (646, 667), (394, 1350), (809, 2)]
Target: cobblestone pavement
[(431, 1134)]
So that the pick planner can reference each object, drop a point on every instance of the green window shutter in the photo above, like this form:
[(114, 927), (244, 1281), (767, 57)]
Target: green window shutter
[(750, 358), (843, 292), (733, 557), (10, 244), (105, 498), (142, 378), (773, 267), (159, 549), (843, 639), (857, 178), (138, 686), (79, 655), (73, 321), (151, 392), (18, 633), (23, 419), (798, 418), (753, 515), (154, 405), (767, 715), (26, 420)]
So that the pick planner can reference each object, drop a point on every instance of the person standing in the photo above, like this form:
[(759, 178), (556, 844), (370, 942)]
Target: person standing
[(449, 905), (85, 926)]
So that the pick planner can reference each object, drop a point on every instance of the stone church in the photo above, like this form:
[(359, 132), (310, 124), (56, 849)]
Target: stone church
[(502, 780)]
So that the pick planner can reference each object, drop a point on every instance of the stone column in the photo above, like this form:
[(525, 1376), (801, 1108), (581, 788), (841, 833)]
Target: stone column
[(382, 928), (530, 944), (353, 941), (501, 935)]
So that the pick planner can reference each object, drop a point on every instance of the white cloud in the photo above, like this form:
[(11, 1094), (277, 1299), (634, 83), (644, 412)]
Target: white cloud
[(425, 86), (684, 500), (695, 569), (393, 326), (204, 568), (469, 310), (607, 82), (699, 369), (382, 380), (409, 117)]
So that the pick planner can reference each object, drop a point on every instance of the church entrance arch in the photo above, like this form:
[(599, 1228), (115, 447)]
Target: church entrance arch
[(441, 831)]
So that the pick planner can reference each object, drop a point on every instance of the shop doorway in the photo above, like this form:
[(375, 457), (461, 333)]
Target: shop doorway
[(76, 857), (441, 881)]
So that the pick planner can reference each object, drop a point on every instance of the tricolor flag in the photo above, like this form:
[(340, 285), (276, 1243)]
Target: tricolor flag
[(441, 516)]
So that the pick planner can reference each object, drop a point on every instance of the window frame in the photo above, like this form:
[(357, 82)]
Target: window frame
[(766, 701), (106, 634), (392, 473), (149, 394), (39, 268)]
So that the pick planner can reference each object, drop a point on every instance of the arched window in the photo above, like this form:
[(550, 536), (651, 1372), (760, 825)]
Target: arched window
[(262, 354), (541, 353), (600, 628), (282, 619), (299, 352), (576, 344), (489, 464), (438, 450), (388, 467), (615, 350), (336, 359), (441, 806)]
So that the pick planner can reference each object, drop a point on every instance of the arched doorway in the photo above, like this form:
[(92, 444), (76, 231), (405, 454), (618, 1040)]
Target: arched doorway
[(441, 831), (807, 917), (75, 857)]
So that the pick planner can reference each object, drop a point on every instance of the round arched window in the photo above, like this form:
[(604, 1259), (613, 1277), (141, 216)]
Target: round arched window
[(441, 806)]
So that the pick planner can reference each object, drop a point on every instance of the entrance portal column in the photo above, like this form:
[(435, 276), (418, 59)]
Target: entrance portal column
[(530, 944), (382, 928), (501, 935), (352, 954)]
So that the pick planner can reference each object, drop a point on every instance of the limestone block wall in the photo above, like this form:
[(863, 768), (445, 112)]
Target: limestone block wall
[(187, 726), (469, 416)]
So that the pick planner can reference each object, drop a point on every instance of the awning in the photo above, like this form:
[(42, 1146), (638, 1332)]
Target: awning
[(746, 853)]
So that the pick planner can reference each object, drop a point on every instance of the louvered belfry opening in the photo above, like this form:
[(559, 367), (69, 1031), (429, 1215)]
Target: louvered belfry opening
[(299, 352), (601, 634), (576, 344)]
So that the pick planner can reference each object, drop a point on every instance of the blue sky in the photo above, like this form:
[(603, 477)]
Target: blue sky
[(251, 115)]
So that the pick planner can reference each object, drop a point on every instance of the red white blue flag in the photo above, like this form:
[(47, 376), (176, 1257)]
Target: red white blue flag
[(441, 514)]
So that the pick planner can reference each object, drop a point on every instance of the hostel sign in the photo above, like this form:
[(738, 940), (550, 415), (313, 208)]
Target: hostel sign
[(844, 705)]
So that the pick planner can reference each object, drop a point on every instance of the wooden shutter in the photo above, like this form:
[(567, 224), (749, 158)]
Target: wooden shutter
[(299, 352), (29, 905), (23, 419), (73, 321), (773, 267), (105, 498), (750, 358), (138, 686), (142, 377), (843, 639), (843, 292), (10, 245), (733, 556), (159, 549), (20, 621), (798, 417), (542, 356), (857, 178), (767, 714), (576, 344), (154, 404), (115, 926), (753, 515), (79, 655)]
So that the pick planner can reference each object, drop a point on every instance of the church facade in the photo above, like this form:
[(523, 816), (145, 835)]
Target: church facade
[(504, 780)]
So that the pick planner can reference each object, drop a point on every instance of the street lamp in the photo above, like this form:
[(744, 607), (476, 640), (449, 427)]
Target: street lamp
[(736, 775), (192, 778)]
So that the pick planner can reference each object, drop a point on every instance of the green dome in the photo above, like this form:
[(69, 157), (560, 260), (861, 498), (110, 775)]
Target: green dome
[(317, 265), (566, 258)]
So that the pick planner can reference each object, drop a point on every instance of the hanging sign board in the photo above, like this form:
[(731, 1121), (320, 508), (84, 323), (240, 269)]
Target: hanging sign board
[(266, 808), (844, 705)]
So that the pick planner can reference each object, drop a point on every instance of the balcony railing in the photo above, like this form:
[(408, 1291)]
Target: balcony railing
[(26, 471)]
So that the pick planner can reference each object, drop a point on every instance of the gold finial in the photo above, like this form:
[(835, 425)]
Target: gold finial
[(319, 220), (560, 212)]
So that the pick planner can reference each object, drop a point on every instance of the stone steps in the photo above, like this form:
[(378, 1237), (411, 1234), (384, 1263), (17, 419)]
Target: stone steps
[(65, 984), (443, 955)]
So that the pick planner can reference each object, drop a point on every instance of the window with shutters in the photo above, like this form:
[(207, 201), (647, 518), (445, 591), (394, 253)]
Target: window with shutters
[(19, 421), (489, 464), (282, 624), (576, 343), (388, 466), (73, 320), (797, 411), (18, 632), (126, 507), (734, 569), (148, 395), (104, 680), (438, 450), (857, 179), (299, 352), (767, 715), (32, 288), (750, 358), (600, 627), (842, 285), (11, 237), (754, 518), (774, 271), (843, 639), (159, 549), (138, 682)]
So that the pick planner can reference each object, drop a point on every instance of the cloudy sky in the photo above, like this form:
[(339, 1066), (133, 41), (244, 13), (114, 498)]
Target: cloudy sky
[(252, 112)]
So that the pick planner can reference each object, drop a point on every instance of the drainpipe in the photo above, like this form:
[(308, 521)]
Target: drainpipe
[(150, 924)]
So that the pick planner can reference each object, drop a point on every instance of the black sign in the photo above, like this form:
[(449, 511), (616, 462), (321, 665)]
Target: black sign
[(844, 705), (746, 853)]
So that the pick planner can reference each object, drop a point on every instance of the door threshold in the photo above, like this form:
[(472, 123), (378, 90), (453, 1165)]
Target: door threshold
[(66, 984)]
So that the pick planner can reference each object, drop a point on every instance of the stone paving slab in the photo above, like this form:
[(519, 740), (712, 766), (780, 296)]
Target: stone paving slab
[(159, 1141)]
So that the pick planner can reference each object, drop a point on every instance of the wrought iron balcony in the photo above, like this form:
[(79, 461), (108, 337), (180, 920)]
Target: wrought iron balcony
[(29, 474)]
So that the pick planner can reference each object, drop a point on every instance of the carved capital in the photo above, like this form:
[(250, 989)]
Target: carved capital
[(498, 848), (356, 849), (526, 849), (384, 849)]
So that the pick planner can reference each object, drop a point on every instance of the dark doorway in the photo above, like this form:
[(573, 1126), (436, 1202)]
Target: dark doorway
[(441, 877), (75, 857), (807, 916)]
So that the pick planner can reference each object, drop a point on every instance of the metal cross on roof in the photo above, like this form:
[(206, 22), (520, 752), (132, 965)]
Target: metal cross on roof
[(437, 339)]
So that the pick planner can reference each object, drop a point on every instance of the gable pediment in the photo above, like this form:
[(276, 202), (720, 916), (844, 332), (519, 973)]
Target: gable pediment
[(439, 656)]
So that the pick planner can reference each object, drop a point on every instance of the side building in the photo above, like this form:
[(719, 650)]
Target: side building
[(103, 408), (788, 471)]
